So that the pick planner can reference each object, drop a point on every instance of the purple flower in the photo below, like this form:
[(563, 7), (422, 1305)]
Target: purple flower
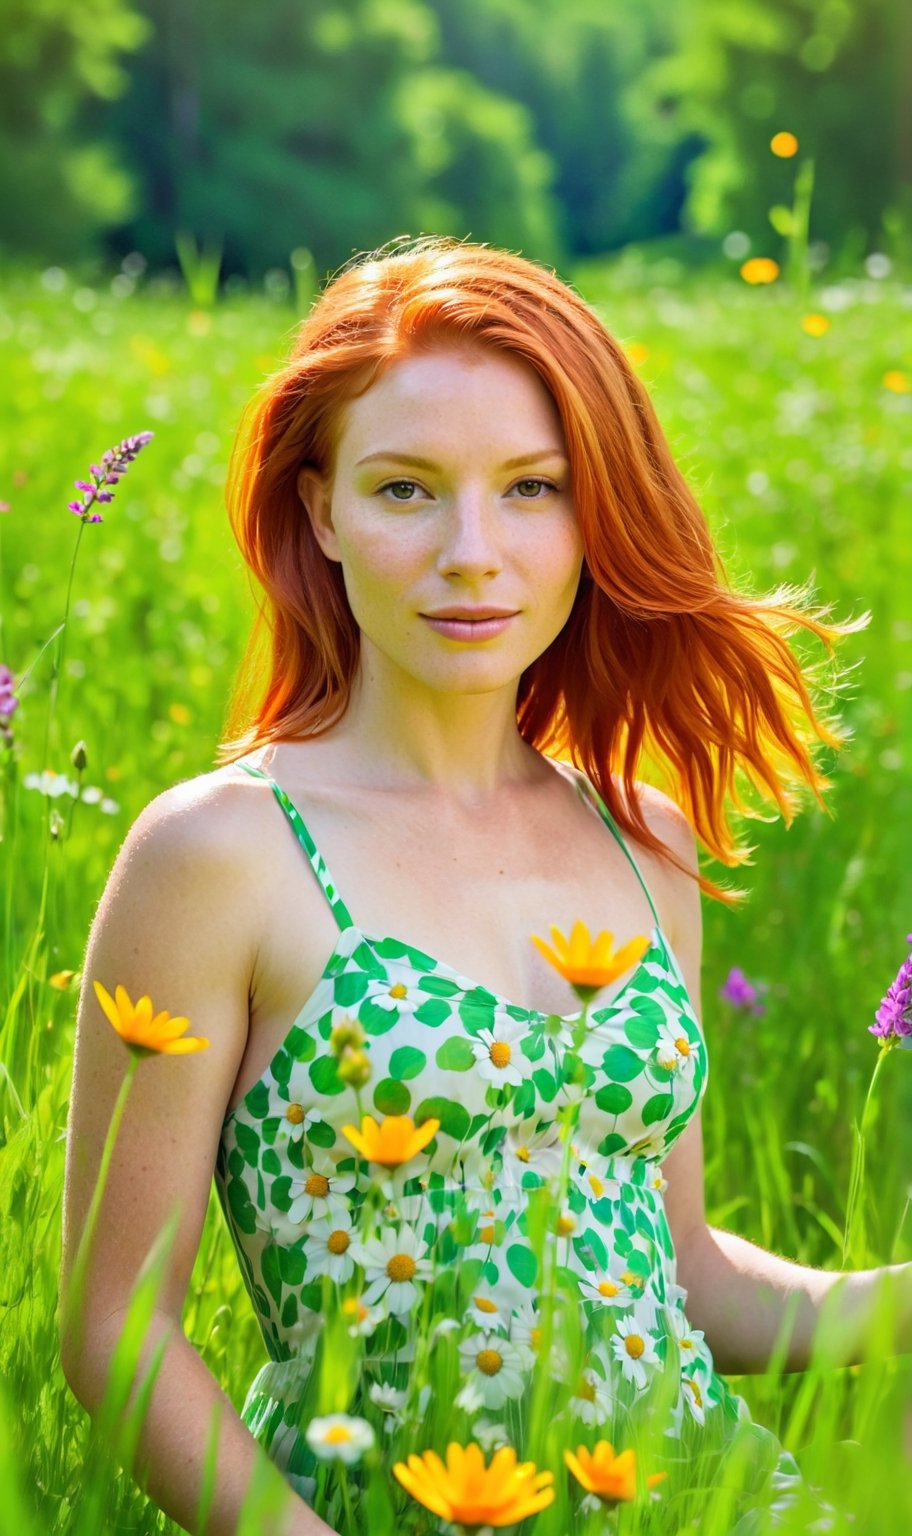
[(741, 993), (894, 1016), (114, 464), (8, 704)]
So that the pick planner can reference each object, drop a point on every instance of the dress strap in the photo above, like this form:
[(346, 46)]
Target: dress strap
[(588, 792), (340, 910)]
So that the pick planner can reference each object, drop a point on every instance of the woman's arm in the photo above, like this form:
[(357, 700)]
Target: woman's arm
[(174, 923), (743, 1297)]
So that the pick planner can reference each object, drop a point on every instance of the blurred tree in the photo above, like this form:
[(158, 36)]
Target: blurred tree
[(576, 67), (61, 184), (836, 73), (323, 124)]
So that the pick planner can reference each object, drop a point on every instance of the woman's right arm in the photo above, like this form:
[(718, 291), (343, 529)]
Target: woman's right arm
[(177, 921)]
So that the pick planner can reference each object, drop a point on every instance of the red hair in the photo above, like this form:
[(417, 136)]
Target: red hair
[(660, 665)]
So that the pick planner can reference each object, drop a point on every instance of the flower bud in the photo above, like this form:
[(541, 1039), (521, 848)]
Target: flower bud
[(79, 756), (347, 1034), (354, 1067)]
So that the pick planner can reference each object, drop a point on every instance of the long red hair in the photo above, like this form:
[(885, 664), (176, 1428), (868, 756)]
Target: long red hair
[(662, 671)]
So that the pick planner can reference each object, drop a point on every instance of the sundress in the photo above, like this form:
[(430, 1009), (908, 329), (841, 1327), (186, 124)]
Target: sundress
[(287, 1178)]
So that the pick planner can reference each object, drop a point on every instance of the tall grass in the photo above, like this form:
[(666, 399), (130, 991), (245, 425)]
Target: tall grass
[(803, 458)]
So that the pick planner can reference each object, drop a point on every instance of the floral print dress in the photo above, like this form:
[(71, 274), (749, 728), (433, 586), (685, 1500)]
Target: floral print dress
[(443, 1046)]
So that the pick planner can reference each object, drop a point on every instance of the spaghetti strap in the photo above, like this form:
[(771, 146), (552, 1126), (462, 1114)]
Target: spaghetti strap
[(340, 910), (588, 792)]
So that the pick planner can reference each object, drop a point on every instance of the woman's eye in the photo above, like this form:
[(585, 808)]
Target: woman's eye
[(530, 490), (400, 490)]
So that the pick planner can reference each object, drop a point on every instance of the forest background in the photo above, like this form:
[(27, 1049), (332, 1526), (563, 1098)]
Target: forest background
[(177, 178)]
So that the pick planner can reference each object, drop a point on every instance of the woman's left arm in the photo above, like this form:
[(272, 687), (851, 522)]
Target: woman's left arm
[(745, 1299)]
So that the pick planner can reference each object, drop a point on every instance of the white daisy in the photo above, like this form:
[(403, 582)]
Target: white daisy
[(395, 995), (656, 1180), (612, 1285), (339, 1437), (391, 1263), (690, 1341), (591, 1400), (675, 1051), (470, 1396), (692, 1395), (526, 1150), (490, 1436), (500, 1060), (495, 1365), (294, 1118), (362, 1321), (634, 1347), (389, 1399), (328, 1247), (321, 1190), (485, 1312)]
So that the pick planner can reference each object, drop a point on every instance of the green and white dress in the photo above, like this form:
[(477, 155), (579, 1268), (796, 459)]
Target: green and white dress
[(442, 1046)]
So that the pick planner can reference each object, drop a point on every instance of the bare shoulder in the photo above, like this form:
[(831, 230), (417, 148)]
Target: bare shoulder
[(665, 818), (675, 889)]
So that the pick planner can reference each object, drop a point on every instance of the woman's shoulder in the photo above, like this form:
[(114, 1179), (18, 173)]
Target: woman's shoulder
[(216, 817)]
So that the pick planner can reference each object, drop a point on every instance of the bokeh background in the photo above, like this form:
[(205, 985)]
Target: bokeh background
[(177, 179)]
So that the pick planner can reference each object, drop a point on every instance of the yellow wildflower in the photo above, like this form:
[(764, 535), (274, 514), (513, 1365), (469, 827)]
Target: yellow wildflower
[(589, 964), (815, 325), (393, 1141), (785, 145), (759, 269), (147, 1033), (613, 1479), (468, 1493)]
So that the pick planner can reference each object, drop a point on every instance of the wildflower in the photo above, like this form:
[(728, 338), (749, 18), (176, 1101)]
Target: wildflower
[(114, 463), (144, 1033), (759, 269), (339, 1437), (347, 1034), (634, 1348), (896, 381), (497, 1051), (495, 1366), (468, 1493), (741, 993), (354, 1068), (613, 1479), (589, 964), (815, 325), (63, 979), (893, 1023), (393, 1141), (785, 145), (591, 1400), (392, 1263), (8, 704)]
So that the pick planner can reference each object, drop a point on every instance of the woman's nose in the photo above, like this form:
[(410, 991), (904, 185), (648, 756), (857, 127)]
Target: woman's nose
[(471, 543)]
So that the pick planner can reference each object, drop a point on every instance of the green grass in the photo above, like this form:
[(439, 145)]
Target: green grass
[(803, 461)]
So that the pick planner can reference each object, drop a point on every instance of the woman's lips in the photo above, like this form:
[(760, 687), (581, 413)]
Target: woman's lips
[(470, 629)]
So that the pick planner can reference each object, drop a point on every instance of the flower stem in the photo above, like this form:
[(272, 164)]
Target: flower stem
[(854, 1243), (346, 1500)]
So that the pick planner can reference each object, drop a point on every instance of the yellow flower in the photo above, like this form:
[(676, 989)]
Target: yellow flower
[(815, 325), (613, 1479), (897, 381), (468, 1493), (636, 352), (586, 963), (784, 145), (63, 979), (760, 269), (146, 1034), (179, 713), (393, 1141)]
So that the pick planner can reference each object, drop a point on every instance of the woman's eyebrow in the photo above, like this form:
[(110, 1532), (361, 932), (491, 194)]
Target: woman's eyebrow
[(536, 457)]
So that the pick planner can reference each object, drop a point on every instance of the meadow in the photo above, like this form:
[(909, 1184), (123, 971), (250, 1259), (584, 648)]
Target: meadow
[(796, 438)]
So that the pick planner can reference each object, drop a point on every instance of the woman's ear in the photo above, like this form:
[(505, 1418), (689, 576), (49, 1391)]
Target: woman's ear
[(313, 489)]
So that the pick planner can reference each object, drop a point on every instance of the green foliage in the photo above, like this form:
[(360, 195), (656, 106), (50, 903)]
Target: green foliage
[(64, 182)]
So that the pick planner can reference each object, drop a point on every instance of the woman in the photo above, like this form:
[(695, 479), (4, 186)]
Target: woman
[(474, 546)]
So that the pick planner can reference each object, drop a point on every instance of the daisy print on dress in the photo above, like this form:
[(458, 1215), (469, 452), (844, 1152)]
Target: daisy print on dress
[(392, 1263), (633, 1346), (497, 1368), (497, 1051)]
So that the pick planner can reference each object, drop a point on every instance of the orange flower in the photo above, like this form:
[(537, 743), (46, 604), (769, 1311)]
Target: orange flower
[(145, 1034), (589, 964), (613, 1479), (393, 1141), (815, 325), (784, 145), (468, 1493), (760, 269)]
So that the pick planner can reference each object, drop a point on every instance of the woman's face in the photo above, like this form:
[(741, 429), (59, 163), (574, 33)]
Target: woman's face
[(452, 489)]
